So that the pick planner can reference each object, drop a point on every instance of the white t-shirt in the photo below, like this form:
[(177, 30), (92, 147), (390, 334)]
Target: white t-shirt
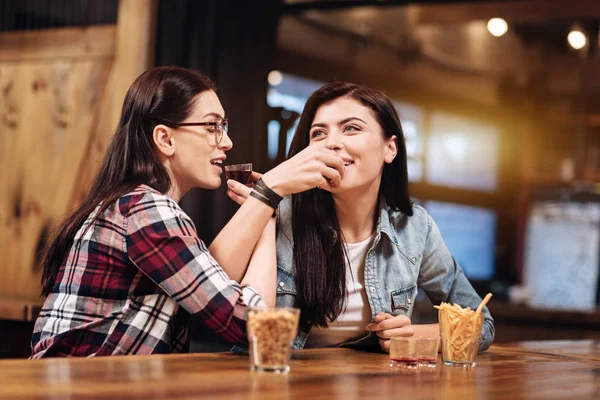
[(352, 322)]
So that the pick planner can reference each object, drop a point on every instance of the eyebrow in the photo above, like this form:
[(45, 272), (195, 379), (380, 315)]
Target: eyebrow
[(214, 114), (342, 122)]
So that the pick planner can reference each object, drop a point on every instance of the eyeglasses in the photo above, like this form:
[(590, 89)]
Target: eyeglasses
[(220, 125)]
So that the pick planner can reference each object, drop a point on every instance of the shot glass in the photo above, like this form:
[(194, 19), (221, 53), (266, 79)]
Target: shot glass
[(271, 332), (460, 338), (239, 172), (403, 353), (427, 351)]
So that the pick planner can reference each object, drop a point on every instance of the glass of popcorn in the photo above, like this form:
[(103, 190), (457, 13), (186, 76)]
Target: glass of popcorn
[(271, 332)]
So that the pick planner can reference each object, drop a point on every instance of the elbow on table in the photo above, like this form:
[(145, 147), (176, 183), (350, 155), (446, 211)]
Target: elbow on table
[(487, 336)]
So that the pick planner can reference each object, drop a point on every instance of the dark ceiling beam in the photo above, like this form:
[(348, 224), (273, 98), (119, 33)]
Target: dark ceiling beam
[(512, 11), (302, 6)]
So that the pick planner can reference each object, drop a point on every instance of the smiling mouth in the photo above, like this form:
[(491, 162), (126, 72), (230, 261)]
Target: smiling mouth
[(217, 163), (347, 163)]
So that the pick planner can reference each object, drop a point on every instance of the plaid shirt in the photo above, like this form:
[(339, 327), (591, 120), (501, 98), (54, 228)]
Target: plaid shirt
[(130, 283)]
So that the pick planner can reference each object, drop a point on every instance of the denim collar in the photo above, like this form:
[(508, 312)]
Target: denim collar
[(391, 224), (384, 224)]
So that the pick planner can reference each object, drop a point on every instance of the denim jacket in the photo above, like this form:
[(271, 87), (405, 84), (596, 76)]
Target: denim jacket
[(407, 253)]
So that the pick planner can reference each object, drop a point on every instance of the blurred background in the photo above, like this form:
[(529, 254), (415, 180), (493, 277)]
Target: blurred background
[(499, 101)]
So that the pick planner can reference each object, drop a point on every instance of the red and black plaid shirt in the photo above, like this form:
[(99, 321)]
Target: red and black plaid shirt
[(130, 283)]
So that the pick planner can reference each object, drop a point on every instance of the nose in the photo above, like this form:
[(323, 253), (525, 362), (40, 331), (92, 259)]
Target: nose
[(334, 140), (226, 142)]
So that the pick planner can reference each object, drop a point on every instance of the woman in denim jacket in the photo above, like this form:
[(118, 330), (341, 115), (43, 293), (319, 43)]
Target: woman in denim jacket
[(352, 253)]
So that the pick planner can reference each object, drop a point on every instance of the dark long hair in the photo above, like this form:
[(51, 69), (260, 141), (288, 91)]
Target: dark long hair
[(160, 95), (319, 256)]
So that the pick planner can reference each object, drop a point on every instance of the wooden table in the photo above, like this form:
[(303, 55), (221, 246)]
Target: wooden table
[(531, 370)]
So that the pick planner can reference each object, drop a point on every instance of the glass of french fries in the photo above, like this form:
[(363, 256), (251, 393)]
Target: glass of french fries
[(460, 330)]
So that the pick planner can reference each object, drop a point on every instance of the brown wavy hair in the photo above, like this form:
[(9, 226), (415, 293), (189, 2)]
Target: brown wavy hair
[(164, 95), (319, 256)]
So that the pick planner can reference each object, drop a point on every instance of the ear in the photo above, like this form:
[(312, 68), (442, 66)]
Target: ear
[(391, 149), (164, 140)]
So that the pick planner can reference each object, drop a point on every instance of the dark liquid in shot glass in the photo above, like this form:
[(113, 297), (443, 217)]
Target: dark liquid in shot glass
[(240, 176), (404, 362)]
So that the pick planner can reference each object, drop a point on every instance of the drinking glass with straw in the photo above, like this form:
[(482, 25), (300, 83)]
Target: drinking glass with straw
[(460, 329)]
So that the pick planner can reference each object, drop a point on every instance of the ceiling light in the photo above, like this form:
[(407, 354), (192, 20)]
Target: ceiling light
[(497, 26), (577, 39)]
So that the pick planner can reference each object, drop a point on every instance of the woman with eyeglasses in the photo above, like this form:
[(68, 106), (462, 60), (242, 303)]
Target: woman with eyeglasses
[(125, 271), (352, 254)]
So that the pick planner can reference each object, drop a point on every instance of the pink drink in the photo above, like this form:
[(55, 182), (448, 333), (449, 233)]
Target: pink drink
[(403, 362)]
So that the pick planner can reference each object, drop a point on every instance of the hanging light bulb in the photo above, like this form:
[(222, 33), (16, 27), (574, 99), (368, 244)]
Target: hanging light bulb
[(577, 39), (497, 26)]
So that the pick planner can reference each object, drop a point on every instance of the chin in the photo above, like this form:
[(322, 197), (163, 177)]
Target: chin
[(337, 189), (215, 184), (211, 184), (347, 187)]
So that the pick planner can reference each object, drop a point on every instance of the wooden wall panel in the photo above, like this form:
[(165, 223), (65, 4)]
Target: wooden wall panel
[(134, 53), (61, 93), (47, 117), (67, 43)]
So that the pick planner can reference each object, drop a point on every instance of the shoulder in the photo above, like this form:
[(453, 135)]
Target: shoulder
[(412, 229), (148, 203), (399, 220), (420, 217)]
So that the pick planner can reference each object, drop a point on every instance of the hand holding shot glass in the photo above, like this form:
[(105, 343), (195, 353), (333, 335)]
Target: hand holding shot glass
[(240, 172)]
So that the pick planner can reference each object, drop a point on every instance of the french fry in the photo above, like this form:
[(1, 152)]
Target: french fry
[(483, 303), (460, 329)]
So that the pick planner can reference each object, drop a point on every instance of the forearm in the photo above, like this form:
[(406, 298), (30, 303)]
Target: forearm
[(233, 246), (262, 268), (443, 280), (308, 169)]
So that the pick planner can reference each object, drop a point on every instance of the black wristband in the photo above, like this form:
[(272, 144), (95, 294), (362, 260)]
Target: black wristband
[(268, 193), (260, 197)]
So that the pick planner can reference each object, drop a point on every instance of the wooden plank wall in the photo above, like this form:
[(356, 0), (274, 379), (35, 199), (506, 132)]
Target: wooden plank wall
[(61, 92)]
